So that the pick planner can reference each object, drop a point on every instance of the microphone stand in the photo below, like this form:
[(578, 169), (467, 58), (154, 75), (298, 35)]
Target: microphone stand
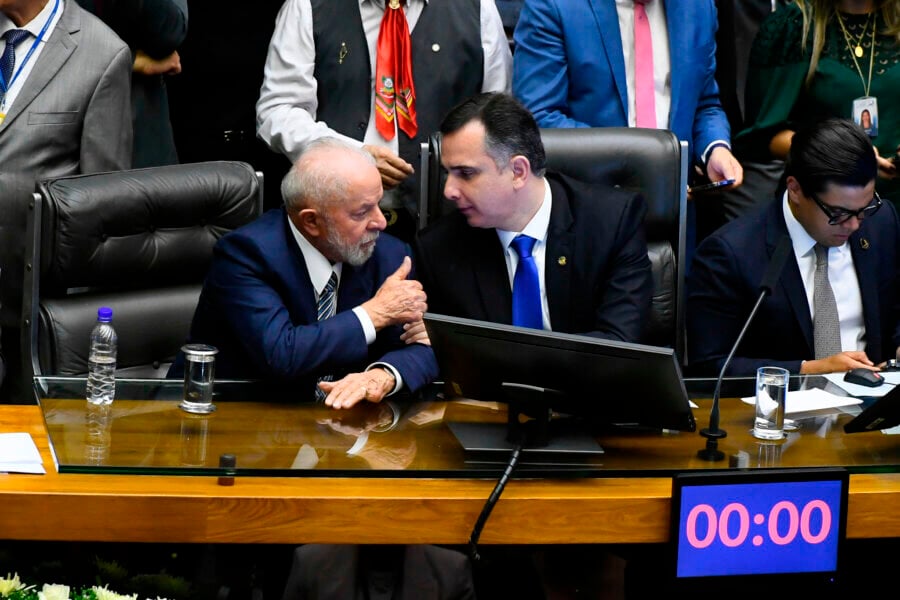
[(713, 433)]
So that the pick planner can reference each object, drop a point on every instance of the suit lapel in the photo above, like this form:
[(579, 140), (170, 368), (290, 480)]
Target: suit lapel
[(608, 25), (298, 275), (675, 26), (558, 259), (790, 281), (865, 260), (491, 276), (54, 55)]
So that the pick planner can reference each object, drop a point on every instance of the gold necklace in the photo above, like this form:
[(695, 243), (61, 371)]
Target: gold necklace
[(856, 48), (854, 55)]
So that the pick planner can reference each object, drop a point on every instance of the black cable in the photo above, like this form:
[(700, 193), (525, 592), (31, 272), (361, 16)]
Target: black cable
[(492, 500)]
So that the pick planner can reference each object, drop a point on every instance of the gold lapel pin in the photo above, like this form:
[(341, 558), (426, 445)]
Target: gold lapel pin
[(343, 53), (864, 243), (561, 260)]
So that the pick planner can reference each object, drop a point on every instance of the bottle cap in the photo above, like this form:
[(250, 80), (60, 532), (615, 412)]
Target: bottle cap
[(104, 313)]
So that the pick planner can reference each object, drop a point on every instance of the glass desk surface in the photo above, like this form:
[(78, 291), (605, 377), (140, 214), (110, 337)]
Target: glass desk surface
[(145, 432)]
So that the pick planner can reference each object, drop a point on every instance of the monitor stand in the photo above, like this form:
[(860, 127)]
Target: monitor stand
[(548, 441)]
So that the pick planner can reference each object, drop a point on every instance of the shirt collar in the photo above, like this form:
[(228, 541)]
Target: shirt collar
[(538, 225), (803, 243), (383, 3), (35, 25), (319, 267)]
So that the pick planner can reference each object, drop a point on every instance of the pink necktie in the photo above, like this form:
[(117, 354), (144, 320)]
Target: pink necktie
[(644, 101)]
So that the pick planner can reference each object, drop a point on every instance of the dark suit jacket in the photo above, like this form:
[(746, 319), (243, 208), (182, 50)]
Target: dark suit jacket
[(569, 69), (724, 284), (258, 307), (326, 572), (158, 27), (596, 269)]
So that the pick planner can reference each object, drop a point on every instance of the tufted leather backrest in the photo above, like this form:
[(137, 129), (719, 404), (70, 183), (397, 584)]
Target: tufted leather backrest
[(650, 161), (139, 241)]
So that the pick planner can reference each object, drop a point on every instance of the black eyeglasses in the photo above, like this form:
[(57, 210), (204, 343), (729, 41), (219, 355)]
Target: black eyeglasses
[(836, 216)]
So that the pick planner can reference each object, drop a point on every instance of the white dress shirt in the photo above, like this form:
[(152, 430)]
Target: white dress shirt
[(34, 27), (320, 269), (662, 63), (536, 228), (841, 275), (662, 78), (286, 110)]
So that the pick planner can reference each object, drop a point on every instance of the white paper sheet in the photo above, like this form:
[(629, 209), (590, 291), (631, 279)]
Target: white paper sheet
[(802, 401), (18, 454), (891, 379)]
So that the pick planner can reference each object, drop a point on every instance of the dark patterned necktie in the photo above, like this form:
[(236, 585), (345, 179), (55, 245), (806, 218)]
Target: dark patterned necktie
[(826, 325), (325, 310), (8, 59)]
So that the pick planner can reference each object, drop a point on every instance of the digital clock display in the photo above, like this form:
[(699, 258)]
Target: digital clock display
[(759, 523)]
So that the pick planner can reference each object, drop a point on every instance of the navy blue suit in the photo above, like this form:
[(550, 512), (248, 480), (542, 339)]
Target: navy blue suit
[(596, 269), (724, 284), (258, 307), (569, 69)]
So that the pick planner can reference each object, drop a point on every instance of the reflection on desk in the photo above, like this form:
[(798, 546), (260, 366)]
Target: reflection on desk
[(144, 431), (626, 502)]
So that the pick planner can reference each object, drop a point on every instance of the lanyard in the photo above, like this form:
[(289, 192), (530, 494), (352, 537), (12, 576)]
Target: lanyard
[(5, 87)]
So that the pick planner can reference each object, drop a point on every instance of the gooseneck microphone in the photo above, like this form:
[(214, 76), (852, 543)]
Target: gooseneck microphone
[(713, 433)]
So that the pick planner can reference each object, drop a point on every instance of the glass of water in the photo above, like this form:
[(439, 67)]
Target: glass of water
[(199, 375), (771, 396)]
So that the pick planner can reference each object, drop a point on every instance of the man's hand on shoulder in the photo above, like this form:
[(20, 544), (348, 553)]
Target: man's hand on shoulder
[(394, 170), (372, 386), (837, 363), (399, 300)]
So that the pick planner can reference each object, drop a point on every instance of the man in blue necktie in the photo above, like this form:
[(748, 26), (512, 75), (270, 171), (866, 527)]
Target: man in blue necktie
[(526, 247)]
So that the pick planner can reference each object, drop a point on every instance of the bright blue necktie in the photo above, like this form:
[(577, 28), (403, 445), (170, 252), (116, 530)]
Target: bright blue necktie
[(526, 306)]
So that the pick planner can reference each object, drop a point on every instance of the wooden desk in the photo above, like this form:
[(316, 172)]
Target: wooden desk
[(150, 508)]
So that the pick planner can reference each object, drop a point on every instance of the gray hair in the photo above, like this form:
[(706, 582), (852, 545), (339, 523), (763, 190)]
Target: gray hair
[(310, 183)]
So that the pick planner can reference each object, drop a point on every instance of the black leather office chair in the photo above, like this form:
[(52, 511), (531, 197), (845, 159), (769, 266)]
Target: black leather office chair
[(139, 241), (651, 161)]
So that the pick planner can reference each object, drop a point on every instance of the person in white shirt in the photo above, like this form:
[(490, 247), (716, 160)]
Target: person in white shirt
[(320, 79)]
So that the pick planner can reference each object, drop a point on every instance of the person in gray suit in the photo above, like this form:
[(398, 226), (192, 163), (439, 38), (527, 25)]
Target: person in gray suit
[(66, 111)]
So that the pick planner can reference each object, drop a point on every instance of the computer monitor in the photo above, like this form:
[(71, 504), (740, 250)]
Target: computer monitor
[(883, 413), (607, 382)]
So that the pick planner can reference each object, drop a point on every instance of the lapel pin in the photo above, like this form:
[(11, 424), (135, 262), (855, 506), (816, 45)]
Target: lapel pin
[(435, 47), (343, 53), (864, 243), (561, 260)]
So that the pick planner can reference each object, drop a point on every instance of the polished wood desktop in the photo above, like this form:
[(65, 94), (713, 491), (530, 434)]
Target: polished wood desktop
[(415, 487)]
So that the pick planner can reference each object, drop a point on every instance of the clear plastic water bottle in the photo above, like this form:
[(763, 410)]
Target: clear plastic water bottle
[(101, 382)]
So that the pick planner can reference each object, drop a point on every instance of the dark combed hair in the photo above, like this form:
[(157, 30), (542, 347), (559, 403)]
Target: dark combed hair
[(833, 151), (510, 129)]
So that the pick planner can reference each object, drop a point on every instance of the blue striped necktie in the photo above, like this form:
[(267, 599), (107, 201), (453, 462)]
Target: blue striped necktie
[(526, 306), (325, 309)]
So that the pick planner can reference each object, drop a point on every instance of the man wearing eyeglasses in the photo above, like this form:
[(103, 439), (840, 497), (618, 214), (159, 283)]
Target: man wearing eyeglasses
[(835, 305)]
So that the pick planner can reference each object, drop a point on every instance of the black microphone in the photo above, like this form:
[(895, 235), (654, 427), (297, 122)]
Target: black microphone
[(712, 433)]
